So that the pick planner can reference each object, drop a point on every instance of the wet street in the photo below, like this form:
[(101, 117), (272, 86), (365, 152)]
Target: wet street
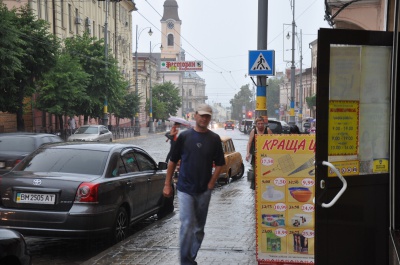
[(62, 251)]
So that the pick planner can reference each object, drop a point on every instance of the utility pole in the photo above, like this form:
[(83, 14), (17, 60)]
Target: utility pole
[(262, 37), (137, 124), (292, 73), (105, 108), (301, 82), (151, 121)]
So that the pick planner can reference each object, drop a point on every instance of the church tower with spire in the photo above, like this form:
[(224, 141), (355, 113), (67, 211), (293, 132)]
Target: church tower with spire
[(192, 86), (171, 31)]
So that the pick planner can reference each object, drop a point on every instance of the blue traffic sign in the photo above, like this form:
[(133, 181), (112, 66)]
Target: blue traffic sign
[(262, 62)]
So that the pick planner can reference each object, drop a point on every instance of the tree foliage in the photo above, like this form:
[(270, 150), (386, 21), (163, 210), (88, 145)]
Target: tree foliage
[(63, 88), (165, 100), (244, 98), (128, 107), (273, 96), (311, 101), (36, 49), (106, 83), (10, 53)]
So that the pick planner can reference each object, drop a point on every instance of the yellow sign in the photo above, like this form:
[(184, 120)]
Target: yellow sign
[(346, 168), (285, 188), (380, 166), (343, 127)]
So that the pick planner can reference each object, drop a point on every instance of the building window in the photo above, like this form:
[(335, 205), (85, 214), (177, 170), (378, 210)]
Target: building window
[(94, 29), (46, 14), (39, 9), (69, 17), (76, 24), (170, 40), (62, 13)]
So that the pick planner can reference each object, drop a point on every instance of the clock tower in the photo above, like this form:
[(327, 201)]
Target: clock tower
[(170, 31)]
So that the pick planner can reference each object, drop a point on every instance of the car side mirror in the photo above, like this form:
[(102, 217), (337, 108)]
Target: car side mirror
[(162, 165)]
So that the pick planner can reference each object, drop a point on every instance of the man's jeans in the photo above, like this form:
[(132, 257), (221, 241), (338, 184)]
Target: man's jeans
[(193, 211)]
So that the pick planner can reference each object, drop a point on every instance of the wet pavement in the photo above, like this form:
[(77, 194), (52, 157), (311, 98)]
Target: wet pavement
[(229, 232)]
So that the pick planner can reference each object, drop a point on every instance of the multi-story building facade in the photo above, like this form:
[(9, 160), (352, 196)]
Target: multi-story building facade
[(190, 84), (68, 18)]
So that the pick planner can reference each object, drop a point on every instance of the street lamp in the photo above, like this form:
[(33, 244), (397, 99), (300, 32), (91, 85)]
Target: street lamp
[(300, 40), (292, 72), (137, 124), (151, 121)]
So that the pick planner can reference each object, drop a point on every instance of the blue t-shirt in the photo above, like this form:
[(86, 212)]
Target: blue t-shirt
[(197, 152)]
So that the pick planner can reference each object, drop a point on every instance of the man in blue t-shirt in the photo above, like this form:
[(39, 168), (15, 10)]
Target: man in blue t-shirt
[(197, 149)]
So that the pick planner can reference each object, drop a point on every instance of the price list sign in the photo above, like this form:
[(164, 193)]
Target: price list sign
[(343, 127), (285, 181)]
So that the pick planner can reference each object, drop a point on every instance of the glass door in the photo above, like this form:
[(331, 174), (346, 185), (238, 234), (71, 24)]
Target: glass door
[(352, 150)]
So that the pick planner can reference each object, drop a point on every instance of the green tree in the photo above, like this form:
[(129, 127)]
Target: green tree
[(166, 100), (39, 48), (10, 53), (312, 103), (244, 98), (105, 83), (63, 88), (273, 96), (128, 107)]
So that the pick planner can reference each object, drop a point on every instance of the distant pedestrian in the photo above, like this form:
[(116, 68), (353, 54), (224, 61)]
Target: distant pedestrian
[(251, 144), (72, 124), (197, 149), (172, 136)]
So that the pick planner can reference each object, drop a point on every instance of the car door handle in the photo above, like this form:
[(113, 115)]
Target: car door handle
[(334, 169), (129, 183)]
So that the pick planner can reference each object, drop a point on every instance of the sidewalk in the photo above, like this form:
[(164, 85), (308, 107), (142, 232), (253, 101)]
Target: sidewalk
[(229, 234)]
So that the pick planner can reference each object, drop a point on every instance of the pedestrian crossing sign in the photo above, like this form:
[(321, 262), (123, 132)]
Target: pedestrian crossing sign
[(262, 62)]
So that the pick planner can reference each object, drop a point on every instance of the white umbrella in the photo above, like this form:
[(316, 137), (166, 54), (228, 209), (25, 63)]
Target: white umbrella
[(179, 120)]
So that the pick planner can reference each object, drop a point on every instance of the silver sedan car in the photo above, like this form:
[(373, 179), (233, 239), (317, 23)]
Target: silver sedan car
[(92, 133), (83, 190)]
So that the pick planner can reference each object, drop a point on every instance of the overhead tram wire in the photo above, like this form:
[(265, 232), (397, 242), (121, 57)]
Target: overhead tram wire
[(190, 53), (186, 41)]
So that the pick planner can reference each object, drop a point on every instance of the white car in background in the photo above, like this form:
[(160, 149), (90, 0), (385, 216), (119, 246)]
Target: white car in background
[(91, 133)]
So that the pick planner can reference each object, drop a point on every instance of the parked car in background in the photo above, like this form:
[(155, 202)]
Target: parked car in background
[(83, 190), (233, 168), (246, 125), (16, 146), (92, 133), (13, 249), (278, 127), (229, 125)]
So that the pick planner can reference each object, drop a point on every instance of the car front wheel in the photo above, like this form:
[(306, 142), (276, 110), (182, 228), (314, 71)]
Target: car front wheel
[(121, 226), (240, 173)]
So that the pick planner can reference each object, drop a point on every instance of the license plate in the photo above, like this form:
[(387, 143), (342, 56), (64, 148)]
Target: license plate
[(36, 198)]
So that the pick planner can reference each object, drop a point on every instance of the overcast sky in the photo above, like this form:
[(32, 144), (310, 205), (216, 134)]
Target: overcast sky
[(221, 32)]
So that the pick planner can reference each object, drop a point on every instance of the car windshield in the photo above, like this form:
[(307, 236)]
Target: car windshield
[(65, 160), (18, 144), (87, 130), (284, 123), (272, 125)]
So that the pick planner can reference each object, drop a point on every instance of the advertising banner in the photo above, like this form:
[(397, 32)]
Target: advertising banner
[(174, 66), (285, 181)]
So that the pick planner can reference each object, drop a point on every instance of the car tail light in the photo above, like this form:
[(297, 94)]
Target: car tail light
[(87, 193)]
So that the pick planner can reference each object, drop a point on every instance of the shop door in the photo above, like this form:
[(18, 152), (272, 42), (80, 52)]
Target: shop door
[(352, 140)]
